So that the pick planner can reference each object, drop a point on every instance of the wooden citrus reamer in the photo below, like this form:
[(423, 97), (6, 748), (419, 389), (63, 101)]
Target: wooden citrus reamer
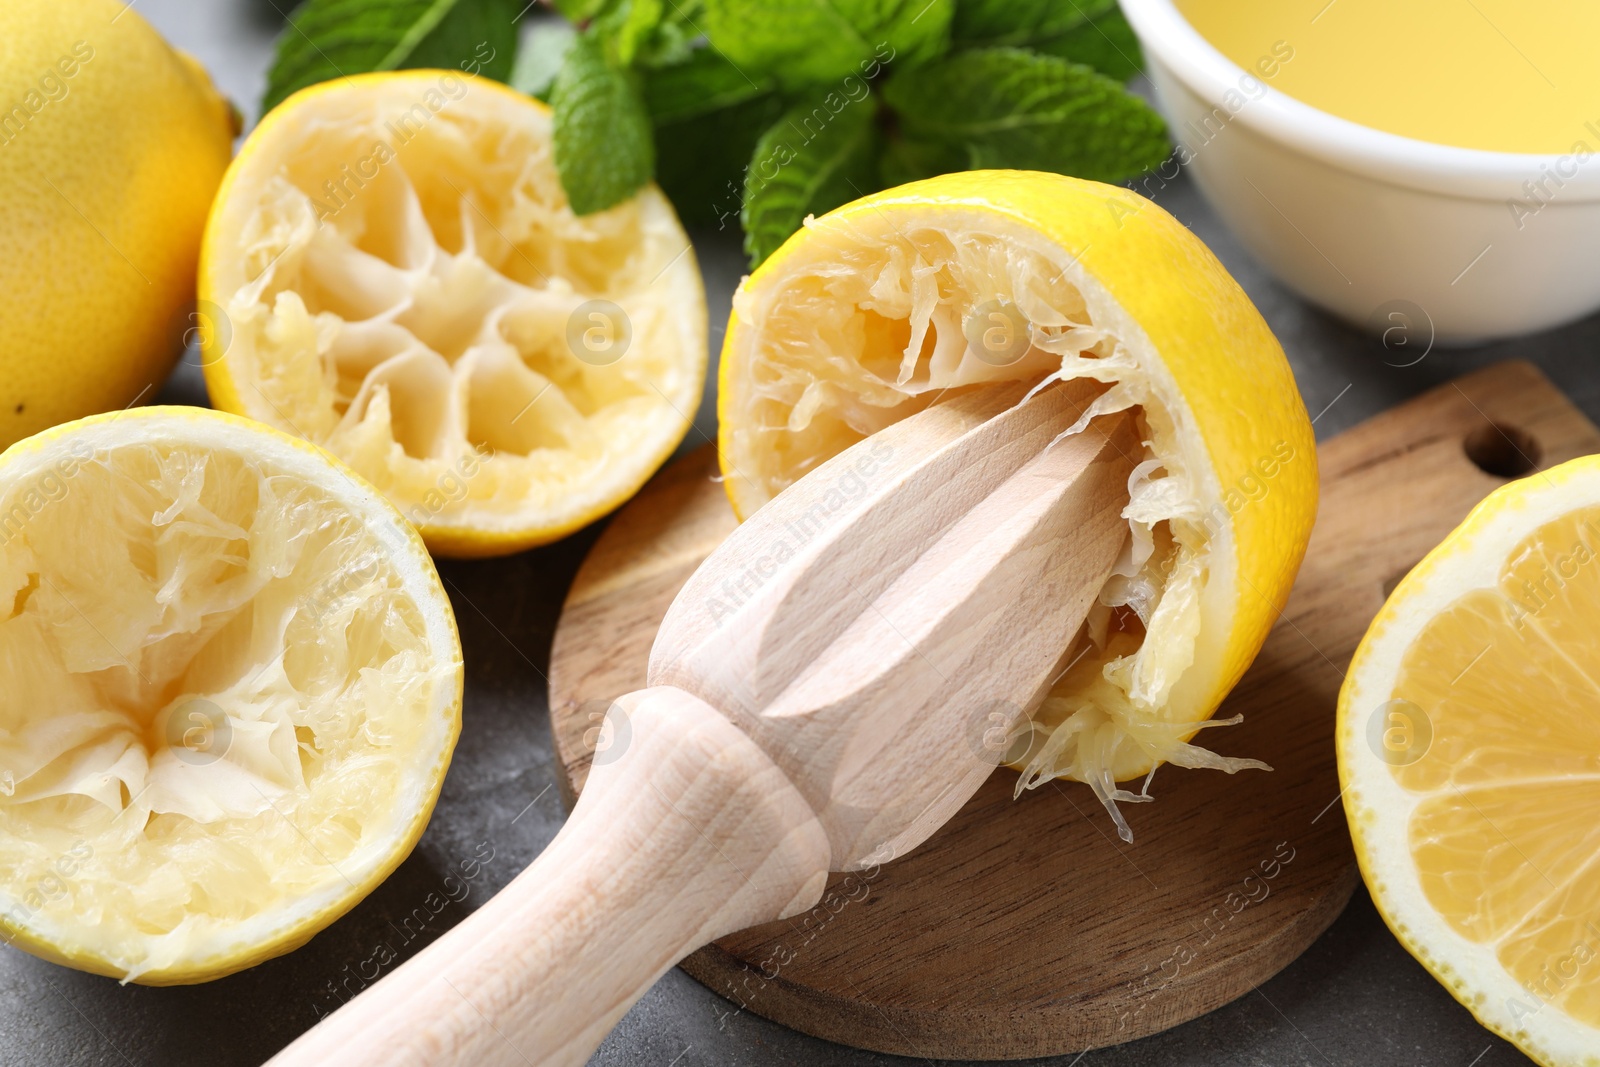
[(826, 691)]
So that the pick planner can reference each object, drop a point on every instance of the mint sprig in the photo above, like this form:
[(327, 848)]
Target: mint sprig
[(1022, 22), (603, 145), (1009, 107), (808, 43), (766, 111), (810, 161), (328, 39), (703, 84), (1105, 42)]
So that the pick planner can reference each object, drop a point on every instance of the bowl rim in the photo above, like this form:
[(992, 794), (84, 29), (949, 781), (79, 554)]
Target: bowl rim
[(1467, 172)]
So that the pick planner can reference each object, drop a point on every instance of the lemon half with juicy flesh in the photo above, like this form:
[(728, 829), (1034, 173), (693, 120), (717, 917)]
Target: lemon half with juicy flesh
[(233, 684), (396, 275), (875, 310), (1469, 753)]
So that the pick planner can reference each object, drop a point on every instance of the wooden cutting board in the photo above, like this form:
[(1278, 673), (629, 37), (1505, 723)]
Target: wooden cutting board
[(1026, 927)]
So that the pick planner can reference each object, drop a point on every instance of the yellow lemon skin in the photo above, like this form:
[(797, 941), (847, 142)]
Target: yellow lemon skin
[(112, 145)]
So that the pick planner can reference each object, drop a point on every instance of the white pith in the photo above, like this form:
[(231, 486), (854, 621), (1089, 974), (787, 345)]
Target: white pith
[(159, 566)]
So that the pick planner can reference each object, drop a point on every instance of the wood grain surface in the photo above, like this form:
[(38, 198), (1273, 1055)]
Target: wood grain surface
[(1024, 927)]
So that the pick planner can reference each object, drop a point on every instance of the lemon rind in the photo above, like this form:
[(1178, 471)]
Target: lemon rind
[(1378, 809), (273, 933)]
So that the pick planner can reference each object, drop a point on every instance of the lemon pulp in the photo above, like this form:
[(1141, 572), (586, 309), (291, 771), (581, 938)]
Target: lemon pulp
[(1506, 828), (227, 702), (404, 283)]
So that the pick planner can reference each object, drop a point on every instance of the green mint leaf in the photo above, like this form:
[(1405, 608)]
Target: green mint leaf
[(1106, 42), (639, 33), (1085, 31), (812, 160), (626, 26), (704, 83), (541, 56), (581, 10), (701, 161), (1021, 22), (603, 148), (817, 42), (328, 39), (708, 117), (1009, 107), (676, 37), (905, 160)]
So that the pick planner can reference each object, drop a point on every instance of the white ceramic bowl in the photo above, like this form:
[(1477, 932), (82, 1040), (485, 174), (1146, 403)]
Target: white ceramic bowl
[(1383, 230)]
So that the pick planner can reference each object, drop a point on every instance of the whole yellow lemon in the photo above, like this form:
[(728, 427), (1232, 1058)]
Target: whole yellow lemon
[(112, 145)]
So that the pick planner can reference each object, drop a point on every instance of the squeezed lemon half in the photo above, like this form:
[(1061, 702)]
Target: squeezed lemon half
[(396, 275), (875, 310), (1469, 753), (233, 684)]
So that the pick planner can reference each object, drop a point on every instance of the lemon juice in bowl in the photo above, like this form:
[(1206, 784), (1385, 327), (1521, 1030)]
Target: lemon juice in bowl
[(1497, 75), (1424, 158)]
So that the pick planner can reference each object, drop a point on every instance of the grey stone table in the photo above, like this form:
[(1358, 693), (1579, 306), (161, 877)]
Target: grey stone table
[(1356, 999)]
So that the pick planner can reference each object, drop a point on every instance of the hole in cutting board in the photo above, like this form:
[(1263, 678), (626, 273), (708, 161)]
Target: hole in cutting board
[(1501, 450)]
